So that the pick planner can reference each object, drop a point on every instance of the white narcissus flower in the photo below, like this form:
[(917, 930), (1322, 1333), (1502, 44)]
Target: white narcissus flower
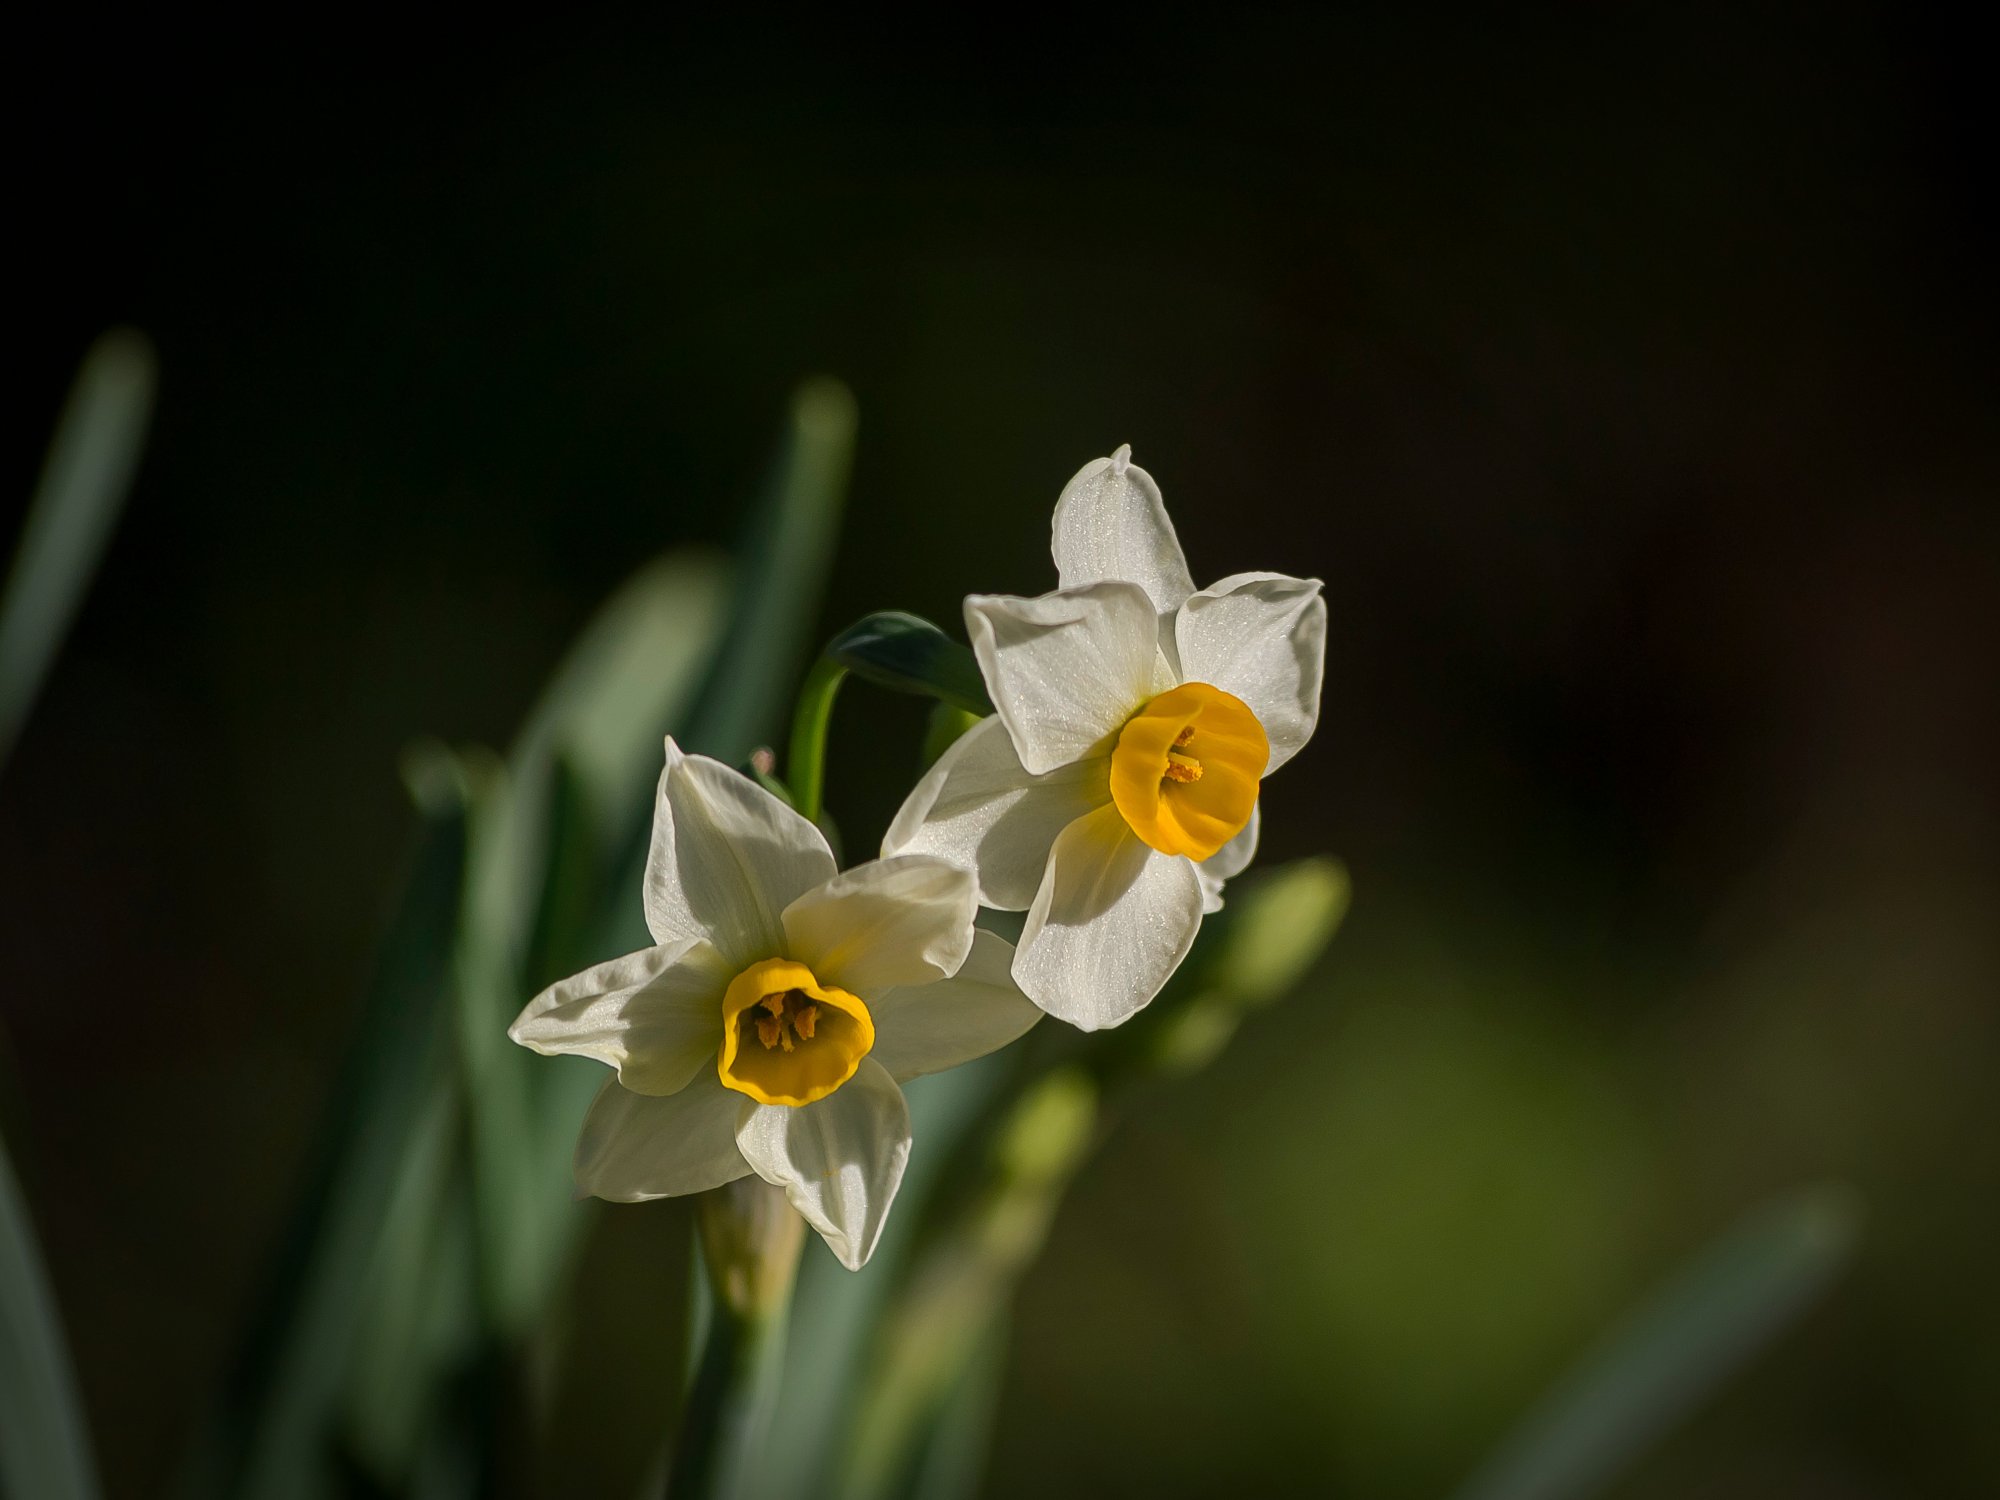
[(1115, 789), (785, 1002)]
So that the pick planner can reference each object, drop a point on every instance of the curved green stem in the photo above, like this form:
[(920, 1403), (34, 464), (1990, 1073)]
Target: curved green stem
[(805, 762)]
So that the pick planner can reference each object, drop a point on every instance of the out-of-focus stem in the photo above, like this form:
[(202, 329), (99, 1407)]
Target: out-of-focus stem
[(805, 762), (750, 1242), (962, 1281), (947, 723), (966, 1280)]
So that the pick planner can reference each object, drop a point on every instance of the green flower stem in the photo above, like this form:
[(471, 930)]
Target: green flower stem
[(805, 764), (750, 1242), (958, 1291), (959, 1286)]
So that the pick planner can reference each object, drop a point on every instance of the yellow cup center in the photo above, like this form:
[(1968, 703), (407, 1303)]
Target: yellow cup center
[(788, 1039), (1186, 769)]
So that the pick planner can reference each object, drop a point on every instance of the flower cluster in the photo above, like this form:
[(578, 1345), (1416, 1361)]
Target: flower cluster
[(1110, 796)]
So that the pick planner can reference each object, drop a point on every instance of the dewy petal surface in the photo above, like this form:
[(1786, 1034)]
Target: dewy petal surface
[(727, 858), (839, 1161), (979, 808), (1066, 670), (654, 1015), (1109, 926), (1262, 637), (639, 1146), (931, 1027), (1110, 522), (905, 920), (1229, 861)]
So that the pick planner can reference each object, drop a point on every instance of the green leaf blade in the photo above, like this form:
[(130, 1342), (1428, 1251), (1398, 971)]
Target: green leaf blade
[(1675, 1350), (789, 547), (44, 1437), (908, 654), (83, 484), (279, 1412)]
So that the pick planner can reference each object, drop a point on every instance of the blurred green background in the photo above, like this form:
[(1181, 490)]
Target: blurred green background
[(1629, 382)]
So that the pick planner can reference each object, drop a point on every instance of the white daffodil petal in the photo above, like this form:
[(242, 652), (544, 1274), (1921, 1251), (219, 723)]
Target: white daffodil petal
[(1262, 637), (839, 1160), (1229, 861), (639, 1146), (1109, 926), (1066, 670), (655, 1015), (1112, 523), (928, 1028), (980, 809), (727, 859), (906, 920)]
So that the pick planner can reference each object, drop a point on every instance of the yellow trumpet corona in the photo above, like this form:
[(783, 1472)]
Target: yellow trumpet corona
[(788, 1039), (1185, 771)]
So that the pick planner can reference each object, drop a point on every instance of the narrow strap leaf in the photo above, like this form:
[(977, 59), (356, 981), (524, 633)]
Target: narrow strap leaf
[(89, 467), (1675, 1351), (44, 1440)]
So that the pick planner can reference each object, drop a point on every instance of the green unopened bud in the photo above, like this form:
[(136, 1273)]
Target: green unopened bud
[(435, 777), (750, 1237), (1282, 923), (1191, 1038), (1050, 1128)]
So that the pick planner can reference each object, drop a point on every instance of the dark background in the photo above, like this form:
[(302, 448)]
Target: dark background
[(1628, 379)]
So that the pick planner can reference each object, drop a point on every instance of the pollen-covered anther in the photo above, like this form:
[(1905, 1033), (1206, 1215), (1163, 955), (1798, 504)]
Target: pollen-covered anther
[(1181, 766), (1173, 799), (791, 1020)]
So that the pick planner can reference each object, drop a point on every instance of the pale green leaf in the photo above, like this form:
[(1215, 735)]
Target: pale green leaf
[(44, 1438), (84, 479), (1675, 1351)]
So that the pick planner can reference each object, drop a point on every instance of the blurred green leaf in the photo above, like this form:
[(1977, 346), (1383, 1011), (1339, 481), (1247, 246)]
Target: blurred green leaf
[(419, 1317), (546, 851), (277, 1417), (574, 885), (1254, 951), (44, 1439), (910, 655), (1279, 922), (1678, 1347), (625, 681), (558, 838), (548, 831), (790, 539), (787, 553), (84, 479), (953, 1462), (957, 1287), (538, 829), (522, 1211), (559, 835), (835, 1311), (951, 1296), (541, 831)]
